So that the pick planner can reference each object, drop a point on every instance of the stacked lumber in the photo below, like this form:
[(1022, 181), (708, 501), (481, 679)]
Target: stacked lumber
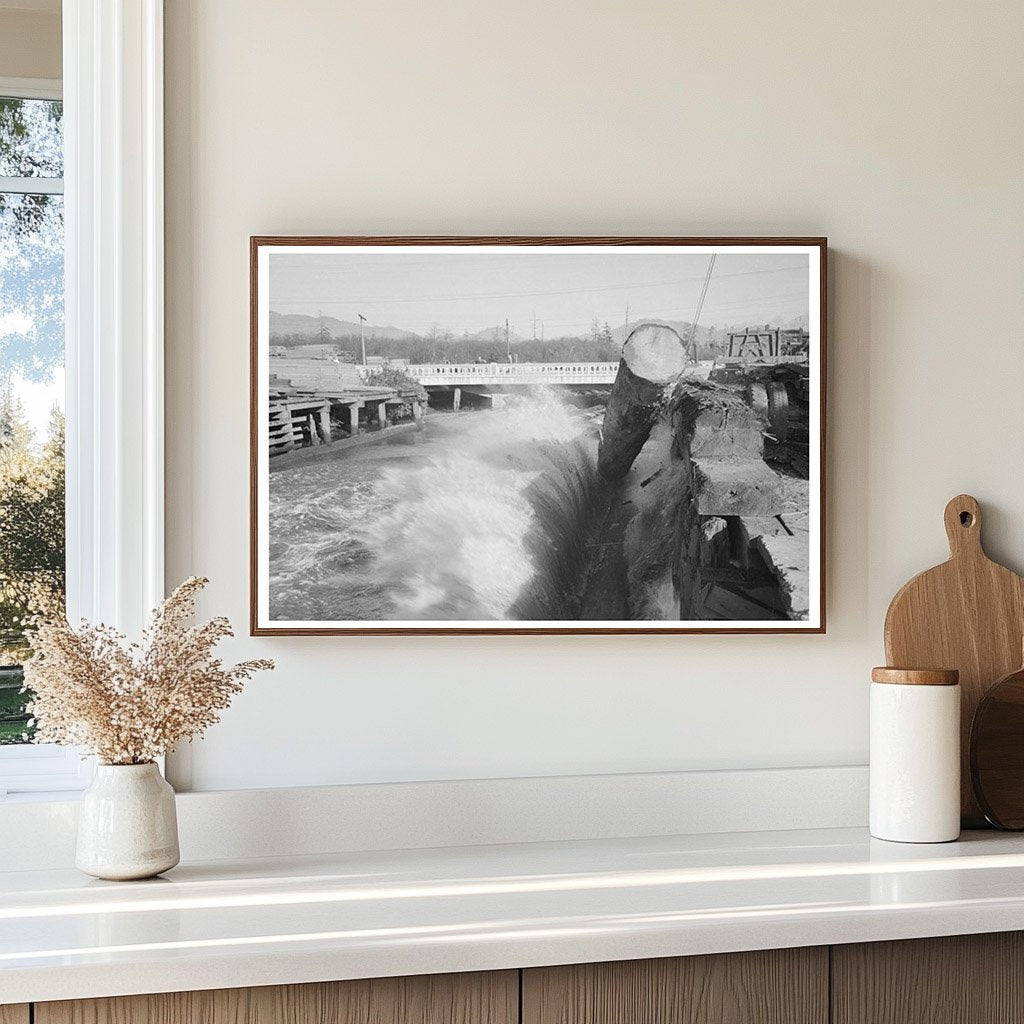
[(283, 436), (298, 422), (316, 375)]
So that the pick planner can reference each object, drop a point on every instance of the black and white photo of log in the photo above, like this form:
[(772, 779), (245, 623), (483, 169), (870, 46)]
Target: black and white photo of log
[(538, 437)]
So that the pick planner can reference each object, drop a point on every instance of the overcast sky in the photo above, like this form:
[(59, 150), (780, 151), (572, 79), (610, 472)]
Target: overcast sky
[(471, 291)]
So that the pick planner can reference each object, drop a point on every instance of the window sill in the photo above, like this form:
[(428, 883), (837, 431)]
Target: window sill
[(41, 797), (45, 771)]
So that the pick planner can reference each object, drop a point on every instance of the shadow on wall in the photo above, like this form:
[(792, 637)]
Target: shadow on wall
[(853, 286)]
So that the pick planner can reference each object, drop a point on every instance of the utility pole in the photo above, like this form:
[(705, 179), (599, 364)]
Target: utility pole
[(508, 344), (627, 317), (362, 336), (534, 325)]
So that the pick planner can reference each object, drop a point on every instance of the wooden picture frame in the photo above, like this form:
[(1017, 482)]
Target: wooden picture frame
[(734, 498)]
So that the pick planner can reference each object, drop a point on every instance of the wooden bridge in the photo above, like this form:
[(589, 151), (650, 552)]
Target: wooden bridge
[(515, 374)]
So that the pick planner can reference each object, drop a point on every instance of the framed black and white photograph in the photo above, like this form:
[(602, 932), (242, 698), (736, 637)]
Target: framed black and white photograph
[(537, 435)]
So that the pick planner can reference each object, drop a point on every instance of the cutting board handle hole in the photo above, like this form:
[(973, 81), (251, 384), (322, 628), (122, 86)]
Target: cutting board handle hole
[(962, 518)]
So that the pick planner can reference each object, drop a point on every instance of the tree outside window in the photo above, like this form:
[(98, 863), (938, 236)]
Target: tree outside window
[(31, 386)]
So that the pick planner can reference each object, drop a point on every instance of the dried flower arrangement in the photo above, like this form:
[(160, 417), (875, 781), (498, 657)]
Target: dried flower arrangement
[(130, 703)]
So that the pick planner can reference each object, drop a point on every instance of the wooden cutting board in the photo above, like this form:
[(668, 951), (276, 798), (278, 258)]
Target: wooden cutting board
[(967, 614)]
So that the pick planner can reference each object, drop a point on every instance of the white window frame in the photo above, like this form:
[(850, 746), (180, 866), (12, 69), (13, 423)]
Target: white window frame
[(37, 767), (113, 222)]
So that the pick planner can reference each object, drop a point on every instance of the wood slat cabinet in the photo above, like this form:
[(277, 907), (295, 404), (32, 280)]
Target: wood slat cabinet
[(962, 979), (482, 998), (972, 979), (777, 986)]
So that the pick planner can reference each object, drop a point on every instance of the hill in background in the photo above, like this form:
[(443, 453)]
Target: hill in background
[(600, 343), (299, 325)]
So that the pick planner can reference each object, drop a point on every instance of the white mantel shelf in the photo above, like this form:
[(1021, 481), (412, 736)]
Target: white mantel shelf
[(226, 924)]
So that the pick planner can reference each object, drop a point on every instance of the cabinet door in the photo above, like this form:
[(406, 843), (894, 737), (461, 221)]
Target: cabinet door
[(779, 986), (490, 998), (14, 1014), (962, 979)]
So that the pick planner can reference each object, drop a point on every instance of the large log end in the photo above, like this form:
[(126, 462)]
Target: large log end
[(655, 352)]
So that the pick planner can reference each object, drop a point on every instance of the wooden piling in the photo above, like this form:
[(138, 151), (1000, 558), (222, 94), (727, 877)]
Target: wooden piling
[(310, 429), (353, 418), (324, 424)]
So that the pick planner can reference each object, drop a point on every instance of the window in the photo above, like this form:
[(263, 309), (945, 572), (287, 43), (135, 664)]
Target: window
[(112, 120), (32, 531), (31, 382)]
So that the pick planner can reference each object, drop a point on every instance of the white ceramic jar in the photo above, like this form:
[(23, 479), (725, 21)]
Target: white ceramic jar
[(127, 823), (915, 755)]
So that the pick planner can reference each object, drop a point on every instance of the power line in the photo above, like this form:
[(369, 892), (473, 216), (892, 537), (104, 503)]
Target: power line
[(523, 295), (700, 303), (634, 315)]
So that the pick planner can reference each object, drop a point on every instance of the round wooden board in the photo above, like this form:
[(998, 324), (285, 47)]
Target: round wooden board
[(997, 752)]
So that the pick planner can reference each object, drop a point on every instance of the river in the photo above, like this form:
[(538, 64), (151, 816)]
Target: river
[(480, 515)]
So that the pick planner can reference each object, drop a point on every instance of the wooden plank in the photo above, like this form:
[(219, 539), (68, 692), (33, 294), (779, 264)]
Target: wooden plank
[(779, 986), (14, 1014), (481, 998), (967, 614), (753, 360), (961, 979), (301, 408)]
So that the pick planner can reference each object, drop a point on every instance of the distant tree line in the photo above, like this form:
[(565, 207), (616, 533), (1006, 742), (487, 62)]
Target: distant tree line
[(457, 349), (599, 344)]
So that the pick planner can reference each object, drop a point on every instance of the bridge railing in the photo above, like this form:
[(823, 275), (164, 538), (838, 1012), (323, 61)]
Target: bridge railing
[(512, 373)]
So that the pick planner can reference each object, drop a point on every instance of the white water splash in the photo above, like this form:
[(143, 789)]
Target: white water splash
[(460, 541), (479, 521)]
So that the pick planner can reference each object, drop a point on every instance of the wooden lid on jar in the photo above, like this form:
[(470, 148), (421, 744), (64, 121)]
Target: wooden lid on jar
[(916, 676)]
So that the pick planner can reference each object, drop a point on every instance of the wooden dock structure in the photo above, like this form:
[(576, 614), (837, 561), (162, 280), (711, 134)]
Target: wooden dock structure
[(306, 394)]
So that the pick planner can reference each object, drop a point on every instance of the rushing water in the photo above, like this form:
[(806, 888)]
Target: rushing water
[(479, 515)]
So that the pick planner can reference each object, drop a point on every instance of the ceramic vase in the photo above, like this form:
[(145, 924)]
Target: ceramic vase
[(127, 825)]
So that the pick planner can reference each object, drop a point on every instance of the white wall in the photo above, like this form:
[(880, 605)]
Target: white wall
[(30, 41), (895, 129)]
